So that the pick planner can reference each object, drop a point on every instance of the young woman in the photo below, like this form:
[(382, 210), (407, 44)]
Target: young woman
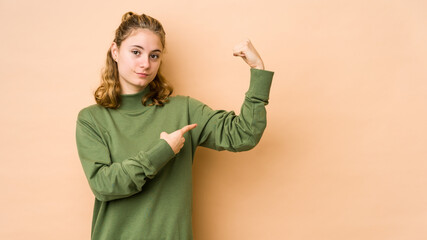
[(131, 143)]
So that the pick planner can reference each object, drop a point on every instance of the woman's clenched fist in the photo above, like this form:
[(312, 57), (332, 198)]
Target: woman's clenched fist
[(246, 50)]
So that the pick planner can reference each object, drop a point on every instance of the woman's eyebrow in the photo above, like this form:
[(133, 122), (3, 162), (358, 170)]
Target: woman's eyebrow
[(155, 50)]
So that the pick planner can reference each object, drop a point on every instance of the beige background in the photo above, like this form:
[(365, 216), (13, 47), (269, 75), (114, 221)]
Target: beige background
[(343, 156)]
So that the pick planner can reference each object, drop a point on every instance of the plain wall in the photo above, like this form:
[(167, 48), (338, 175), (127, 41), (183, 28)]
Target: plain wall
[(344, 153)]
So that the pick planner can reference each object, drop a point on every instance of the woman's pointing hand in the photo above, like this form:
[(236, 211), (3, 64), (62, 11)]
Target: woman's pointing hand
[(176, 139)]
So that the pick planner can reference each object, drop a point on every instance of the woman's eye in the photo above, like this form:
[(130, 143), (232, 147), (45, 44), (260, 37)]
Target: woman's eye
[(136, 52), (154, 56)]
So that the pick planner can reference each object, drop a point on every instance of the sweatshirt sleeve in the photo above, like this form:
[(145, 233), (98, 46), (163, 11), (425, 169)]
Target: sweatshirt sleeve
[(222, 130), (114, 180)]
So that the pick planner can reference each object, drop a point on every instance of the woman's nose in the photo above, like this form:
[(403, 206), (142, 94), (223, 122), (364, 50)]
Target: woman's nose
[(144, 62)]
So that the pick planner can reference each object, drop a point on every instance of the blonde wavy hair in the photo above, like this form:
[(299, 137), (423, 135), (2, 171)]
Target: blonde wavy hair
[(108, 93)]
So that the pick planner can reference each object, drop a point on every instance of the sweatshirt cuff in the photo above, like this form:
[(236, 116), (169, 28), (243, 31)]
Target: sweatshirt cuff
[(159, 155), (260, 84)]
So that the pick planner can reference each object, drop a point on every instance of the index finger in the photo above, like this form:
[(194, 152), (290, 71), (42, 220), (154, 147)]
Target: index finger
[(188, 128)]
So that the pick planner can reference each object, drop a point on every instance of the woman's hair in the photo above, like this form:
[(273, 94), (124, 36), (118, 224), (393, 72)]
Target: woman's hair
[(108, 93)]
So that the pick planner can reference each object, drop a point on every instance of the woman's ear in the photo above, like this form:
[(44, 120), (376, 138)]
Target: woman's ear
[(114, 51)]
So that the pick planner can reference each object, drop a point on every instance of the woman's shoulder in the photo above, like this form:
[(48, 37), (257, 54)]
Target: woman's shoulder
[(87, 112), (178, 99), (189, 103), (183, 100)]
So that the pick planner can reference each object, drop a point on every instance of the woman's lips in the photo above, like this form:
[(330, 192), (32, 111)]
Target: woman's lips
[(142, 74)]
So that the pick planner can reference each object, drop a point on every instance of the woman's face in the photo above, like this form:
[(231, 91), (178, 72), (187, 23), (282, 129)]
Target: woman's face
[(138, 60)]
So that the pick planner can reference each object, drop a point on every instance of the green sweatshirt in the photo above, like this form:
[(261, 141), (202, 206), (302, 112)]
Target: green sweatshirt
[(143, 191)]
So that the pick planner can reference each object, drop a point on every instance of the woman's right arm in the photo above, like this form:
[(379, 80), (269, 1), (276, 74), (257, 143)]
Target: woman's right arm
[(114, 180)]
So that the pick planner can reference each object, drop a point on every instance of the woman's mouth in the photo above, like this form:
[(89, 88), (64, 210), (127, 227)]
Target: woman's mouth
[(143, 75)]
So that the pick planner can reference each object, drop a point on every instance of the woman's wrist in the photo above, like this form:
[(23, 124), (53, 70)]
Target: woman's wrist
[(259, 66)]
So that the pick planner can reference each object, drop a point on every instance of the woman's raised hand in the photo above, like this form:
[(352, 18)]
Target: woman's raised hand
[(246, 50), (176, 139)]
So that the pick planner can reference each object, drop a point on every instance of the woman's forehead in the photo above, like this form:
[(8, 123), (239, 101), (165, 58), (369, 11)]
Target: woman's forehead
[(144, 38)]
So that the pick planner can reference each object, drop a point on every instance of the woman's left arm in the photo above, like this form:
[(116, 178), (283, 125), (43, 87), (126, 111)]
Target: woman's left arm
[(222, 130)]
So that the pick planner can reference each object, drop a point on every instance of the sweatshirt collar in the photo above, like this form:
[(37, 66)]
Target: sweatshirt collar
[(133, 102)]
